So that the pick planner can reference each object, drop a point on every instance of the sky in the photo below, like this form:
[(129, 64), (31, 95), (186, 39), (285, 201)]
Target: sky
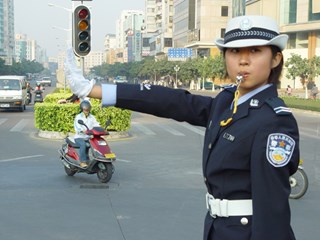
[(49, 25)]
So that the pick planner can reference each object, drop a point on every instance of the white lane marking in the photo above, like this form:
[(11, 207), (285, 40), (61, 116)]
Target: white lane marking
[(308, 132), (20, 125), (2, 120), (170, 130), (192, 128), (123, 160), (143, 129), (20, 158)]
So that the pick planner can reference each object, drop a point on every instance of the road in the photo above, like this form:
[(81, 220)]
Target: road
[(156, 192)]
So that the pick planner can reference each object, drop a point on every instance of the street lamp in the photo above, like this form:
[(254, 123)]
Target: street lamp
[(70, 19), (176, 68), (69, 33)]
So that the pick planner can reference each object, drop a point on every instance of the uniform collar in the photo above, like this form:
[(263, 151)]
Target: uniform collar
[(249, 95)]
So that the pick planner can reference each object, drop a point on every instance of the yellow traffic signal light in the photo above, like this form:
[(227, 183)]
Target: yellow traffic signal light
[(81, 31)]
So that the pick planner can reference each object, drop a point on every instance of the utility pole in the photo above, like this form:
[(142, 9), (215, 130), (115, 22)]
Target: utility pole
[(238, 8)]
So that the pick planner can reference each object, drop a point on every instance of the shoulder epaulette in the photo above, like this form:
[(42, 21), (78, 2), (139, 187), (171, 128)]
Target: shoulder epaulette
[(278, 106), (228, 86)]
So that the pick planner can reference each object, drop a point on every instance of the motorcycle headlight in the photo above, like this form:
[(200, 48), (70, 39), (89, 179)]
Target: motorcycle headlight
[(102, 143)]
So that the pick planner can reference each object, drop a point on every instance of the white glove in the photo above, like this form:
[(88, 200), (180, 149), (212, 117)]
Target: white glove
[(78, 84)]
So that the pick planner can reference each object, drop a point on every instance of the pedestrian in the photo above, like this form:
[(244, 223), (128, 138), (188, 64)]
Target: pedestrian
[(314, 91), (289, 90), (251, 145)]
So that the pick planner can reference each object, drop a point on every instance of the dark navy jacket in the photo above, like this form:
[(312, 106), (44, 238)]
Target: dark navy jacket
[(240, 161)]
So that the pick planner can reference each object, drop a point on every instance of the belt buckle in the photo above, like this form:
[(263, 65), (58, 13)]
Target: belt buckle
[(211, 200), (217, 207)]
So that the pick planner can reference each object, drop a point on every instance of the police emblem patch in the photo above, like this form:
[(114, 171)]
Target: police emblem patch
[(279, 149)]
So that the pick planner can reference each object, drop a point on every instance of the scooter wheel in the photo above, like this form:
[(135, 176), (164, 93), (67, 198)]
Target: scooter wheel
[(105, 173), (69, 171)]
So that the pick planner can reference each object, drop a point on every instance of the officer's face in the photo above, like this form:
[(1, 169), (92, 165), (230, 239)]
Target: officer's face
[(253, 63)]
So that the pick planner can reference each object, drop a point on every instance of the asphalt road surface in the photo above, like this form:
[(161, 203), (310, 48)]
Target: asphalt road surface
[(156, 192)]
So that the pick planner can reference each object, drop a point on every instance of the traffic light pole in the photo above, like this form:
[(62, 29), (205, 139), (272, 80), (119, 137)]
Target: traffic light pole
[(82, 64)]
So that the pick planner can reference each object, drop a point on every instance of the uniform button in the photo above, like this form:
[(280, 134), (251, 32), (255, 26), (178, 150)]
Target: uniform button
[(205, 179), (210, 145), (244, 221)]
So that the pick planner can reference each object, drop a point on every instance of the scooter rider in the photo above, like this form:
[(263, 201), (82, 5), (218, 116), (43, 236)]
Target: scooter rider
[(80, 136), (29, 90)]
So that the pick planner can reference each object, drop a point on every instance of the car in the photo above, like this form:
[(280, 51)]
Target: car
[(45, 81), (13, 92)]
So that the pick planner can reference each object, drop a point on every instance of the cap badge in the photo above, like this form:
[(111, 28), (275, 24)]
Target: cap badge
[(245, 24)]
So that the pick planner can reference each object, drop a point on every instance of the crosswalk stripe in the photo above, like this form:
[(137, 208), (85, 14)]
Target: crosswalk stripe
[(20, 125), (192, 128), (2, 120), (143, 129), (171, 130)]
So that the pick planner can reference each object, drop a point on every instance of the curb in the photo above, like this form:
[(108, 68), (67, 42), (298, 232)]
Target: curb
[(60, 136)]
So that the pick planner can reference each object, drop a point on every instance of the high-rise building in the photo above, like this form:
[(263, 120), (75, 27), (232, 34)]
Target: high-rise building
[(197, 23), (7, 31), (300, 19), (28, 49), (158, 27), (128, 35), (110, 46)]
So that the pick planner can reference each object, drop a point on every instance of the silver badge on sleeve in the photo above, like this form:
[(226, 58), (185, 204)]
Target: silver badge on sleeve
[(279, 149)]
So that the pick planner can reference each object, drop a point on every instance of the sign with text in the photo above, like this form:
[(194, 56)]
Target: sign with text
[(179, 54)]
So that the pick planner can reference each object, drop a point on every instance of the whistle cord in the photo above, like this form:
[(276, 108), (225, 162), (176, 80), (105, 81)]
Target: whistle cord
[(224, 123)]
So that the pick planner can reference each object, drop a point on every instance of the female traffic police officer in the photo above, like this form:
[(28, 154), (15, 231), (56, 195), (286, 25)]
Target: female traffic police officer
[(251, 143)]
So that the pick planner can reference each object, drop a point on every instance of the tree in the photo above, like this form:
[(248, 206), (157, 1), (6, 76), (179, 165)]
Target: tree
[(297, 67), (305, 69)]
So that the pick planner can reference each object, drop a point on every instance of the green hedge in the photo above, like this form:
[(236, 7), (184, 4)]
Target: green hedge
[(301, 103), (51, 116)]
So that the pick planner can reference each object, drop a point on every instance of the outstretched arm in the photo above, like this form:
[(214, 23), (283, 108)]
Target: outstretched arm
[(96, 92)]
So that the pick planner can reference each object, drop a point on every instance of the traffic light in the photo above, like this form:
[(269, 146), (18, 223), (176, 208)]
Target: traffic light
[(81, 31)]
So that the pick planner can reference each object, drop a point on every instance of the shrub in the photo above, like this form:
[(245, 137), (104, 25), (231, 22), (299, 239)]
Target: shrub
[(51, 116)]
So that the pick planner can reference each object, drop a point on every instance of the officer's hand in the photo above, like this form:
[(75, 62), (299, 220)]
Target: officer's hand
[(78, 84)]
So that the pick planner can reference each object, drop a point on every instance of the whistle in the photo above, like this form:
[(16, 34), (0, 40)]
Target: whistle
[(239, 78)]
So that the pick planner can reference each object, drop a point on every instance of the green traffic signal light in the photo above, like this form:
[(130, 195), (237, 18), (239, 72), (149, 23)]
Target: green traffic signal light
[(81, 31)]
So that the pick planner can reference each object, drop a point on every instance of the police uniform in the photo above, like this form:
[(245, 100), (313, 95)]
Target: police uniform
[(246, 164)]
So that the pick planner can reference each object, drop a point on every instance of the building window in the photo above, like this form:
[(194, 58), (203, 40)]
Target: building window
[(293, 11), (145, 42), (168, 42), (289, 8), (314, 12), (224, 11)]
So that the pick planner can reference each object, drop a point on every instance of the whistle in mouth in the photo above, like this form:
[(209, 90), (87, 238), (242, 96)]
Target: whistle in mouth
[(239, 78)]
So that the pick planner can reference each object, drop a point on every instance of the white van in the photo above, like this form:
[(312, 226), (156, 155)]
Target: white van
[(13, 92)]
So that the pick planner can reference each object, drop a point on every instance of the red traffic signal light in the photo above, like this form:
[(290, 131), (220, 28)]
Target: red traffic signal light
[(81, 31)]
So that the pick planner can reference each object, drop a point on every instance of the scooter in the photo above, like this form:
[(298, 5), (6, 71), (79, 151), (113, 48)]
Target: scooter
[(28, 101), (299, 182), (38, 96), (100, 156)]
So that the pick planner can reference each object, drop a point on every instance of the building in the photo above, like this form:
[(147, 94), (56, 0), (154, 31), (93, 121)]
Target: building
[(7, 31), (110, 48), (300, 19), (128, 35), (199, 24), (28, 49), (158, 28)]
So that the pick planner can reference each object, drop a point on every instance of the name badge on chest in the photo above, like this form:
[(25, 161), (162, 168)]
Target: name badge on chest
[(229, 137)]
